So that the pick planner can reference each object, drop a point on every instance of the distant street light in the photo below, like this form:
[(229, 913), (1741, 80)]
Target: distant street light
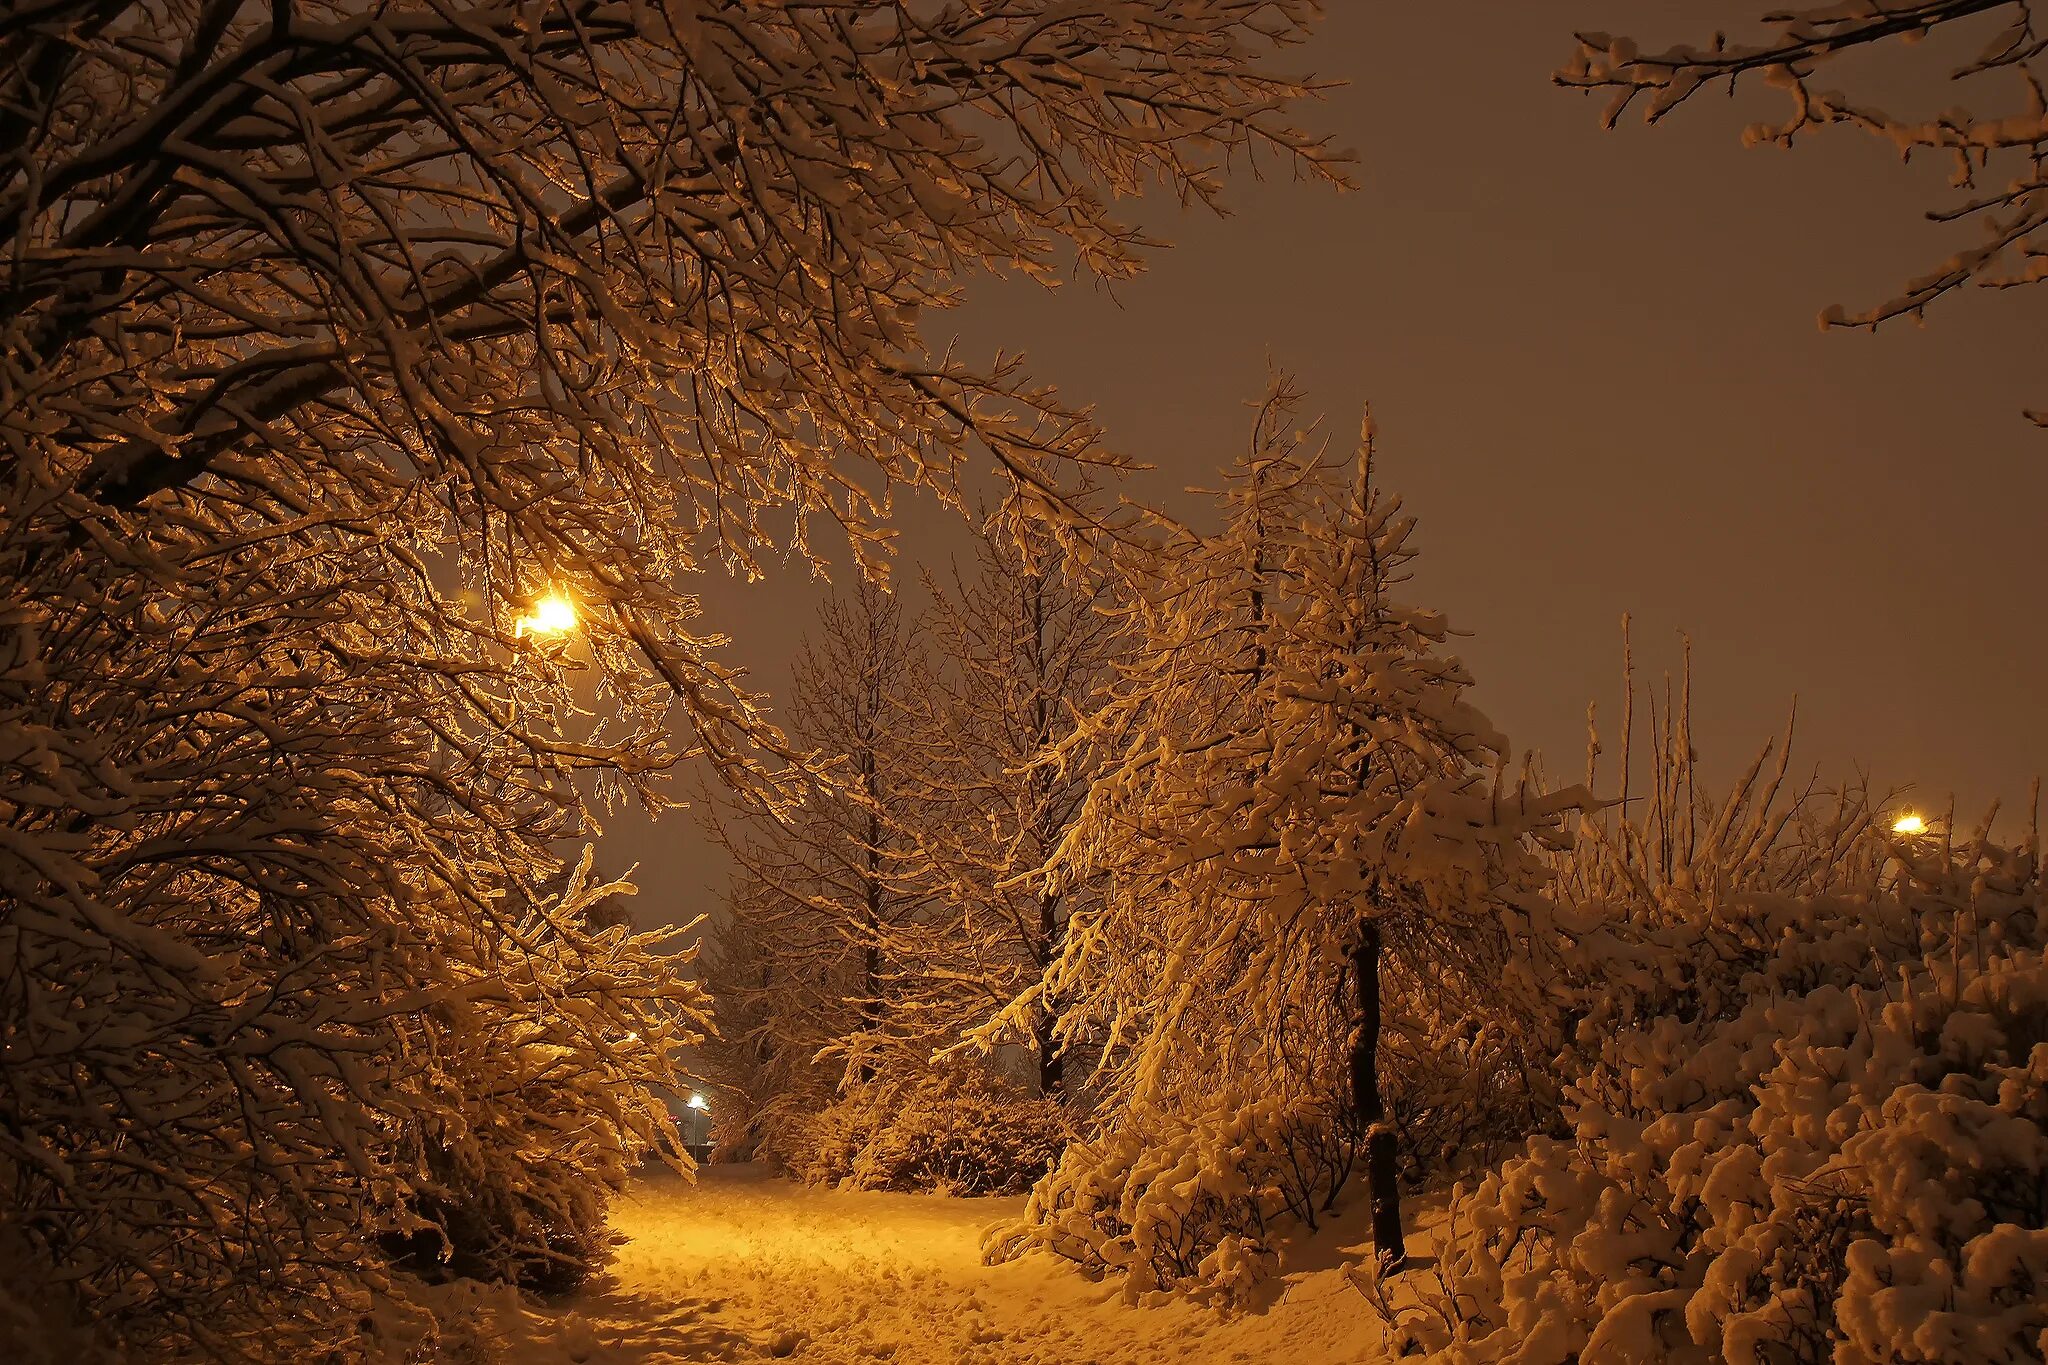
[(553, 614), (1909, 825), (699, 1102)]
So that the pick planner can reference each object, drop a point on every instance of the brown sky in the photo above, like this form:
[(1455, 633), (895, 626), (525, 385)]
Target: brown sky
[(1599, 383)]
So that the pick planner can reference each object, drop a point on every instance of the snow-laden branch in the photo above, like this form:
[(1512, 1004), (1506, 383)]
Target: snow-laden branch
[(1997, 157)]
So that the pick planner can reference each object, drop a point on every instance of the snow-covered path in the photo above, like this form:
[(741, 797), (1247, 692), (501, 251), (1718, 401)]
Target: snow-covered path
[(743, 1267)]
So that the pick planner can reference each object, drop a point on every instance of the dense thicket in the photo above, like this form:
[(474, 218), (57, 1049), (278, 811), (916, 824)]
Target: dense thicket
[(1805, 1114), (331, 337)]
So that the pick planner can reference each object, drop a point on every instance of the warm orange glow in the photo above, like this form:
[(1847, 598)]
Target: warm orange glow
[(1909, 823), (553, 614)]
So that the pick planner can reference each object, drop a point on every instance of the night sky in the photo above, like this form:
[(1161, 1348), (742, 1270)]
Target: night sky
[(1600, 385)]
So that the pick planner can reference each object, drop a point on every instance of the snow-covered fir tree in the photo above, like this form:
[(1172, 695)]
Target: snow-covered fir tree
[(1025, 643), (1304, 791)]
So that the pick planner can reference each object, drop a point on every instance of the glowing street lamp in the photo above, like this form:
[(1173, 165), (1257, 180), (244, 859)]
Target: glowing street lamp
[(1909, 825), (552, 614), (695, 1126)]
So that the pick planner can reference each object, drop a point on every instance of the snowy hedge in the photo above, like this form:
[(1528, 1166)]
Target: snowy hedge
[(1194, 1201), (963, 1133), (1832, 1150)]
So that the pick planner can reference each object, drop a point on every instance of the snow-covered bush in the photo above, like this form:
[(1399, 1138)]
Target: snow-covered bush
[(1197, 1200), (1845, 1158), (265, 960), (959, 1132)]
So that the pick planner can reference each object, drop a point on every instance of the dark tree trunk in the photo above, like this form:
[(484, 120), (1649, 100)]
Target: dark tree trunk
[(1052, 1061), (1382, 1170), (870, 1010), (871, 993)]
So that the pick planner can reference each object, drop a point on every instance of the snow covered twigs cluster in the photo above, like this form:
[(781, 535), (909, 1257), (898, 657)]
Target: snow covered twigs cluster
[(674, 252), (1997, 156)]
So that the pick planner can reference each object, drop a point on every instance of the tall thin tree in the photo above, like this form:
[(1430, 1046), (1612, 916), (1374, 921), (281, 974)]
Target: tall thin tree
[(1025, 643)]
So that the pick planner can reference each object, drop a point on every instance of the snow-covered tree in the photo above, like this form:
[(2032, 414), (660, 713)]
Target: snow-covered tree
[(1996, 154), (776, 1007), (294, 981), (874, 922), (1305, 791), (822, 901), (547, 256), (1025, 645)]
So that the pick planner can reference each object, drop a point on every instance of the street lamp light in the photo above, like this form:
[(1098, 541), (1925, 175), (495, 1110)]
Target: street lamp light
[(698, 1102), (1909, 825), (552, 614)]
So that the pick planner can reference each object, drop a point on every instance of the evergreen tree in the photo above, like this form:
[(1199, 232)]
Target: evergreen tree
[(1026, 644), (1304, 791), (815, 934)]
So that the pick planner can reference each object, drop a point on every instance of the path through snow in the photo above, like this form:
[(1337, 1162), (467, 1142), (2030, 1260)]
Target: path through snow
[(743, 1267)]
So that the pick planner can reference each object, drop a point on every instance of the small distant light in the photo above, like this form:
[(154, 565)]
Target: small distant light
[(1909, 823), (699, 1102), (553, 614)]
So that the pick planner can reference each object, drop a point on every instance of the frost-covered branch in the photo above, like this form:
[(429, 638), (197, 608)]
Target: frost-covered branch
[(1997, 155)]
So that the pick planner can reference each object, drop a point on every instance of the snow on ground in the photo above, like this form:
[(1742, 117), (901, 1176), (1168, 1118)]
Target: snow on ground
[(746, 1267)]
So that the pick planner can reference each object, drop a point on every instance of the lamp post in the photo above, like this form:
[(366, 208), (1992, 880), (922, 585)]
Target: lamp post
[(697, 1126)]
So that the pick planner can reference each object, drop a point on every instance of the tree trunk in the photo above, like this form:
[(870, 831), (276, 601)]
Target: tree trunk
[(871, 993), (870, 1011), (1382, 1171), (1052, 1061)]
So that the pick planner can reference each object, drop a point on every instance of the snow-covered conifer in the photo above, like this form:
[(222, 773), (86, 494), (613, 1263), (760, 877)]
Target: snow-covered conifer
[(1305, 791), (1024, 644)]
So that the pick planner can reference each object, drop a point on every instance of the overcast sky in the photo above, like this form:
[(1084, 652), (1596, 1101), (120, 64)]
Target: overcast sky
[(1599, 382)]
